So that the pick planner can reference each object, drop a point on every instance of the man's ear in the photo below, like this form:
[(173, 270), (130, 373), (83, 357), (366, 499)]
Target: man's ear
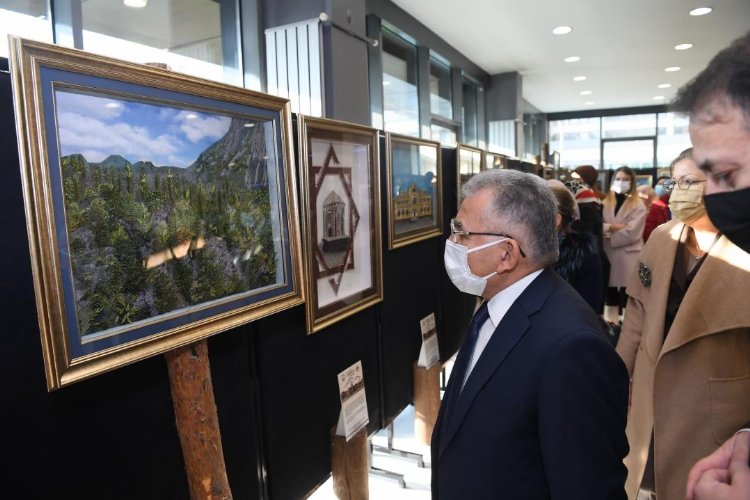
[(558, 220), (509, 256)]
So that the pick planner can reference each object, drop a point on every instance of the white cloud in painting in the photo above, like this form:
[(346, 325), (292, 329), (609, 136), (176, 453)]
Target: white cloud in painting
[(197, 126), (89, 105), (83, 133)]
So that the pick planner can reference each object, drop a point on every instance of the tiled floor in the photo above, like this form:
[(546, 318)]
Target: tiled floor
[(416, 479)]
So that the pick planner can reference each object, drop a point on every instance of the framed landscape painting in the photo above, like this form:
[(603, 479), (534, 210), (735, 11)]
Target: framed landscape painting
[(339, 178), (469, 164), (414, 190), (160, 207)]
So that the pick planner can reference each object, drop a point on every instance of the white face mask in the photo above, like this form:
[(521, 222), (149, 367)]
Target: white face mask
[(621, 187), (457, 265)]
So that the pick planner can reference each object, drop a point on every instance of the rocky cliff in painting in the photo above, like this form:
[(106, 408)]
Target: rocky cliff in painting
[(240, 154)]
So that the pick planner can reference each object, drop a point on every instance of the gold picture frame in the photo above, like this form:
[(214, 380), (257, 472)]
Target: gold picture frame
[(160, 208), (414, 184), (340, 198), (470, 161)]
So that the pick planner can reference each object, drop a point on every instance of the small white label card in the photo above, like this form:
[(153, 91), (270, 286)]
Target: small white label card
[(429, 354), (353, 416)]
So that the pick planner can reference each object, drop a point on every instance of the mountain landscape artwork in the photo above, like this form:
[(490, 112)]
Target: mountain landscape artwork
[(166, 209)]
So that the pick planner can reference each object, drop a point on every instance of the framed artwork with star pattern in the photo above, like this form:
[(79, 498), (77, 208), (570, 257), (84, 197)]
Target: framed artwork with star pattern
[(340, 198)]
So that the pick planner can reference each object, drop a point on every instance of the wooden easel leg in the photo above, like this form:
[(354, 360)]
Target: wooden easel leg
[(198, 422)]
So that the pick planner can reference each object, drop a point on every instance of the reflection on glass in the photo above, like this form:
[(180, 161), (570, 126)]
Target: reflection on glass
[(27, 19), (628, 126), (673, 137), (493, 161), (635, 154), (440, 89), (184, 35), (444, 135), (577, 140), (469, 164), (400, 101)]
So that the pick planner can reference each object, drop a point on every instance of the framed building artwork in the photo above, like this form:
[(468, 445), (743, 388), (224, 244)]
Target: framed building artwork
[(494, 161), (469, 164), (414, 190), (160, 207), (339, 177)]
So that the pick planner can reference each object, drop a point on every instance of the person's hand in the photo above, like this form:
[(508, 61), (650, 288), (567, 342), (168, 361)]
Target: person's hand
[(720, 476), (616, 227)]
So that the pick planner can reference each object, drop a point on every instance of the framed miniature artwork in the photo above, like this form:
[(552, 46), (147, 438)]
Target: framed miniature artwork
[(469, 164), (494, 161), (340, 197), (644, 180), (160, 207), (414, 190)]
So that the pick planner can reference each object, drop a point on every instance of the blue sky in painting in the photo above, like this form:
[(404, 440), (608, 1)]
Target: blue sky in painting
[(98, 126)]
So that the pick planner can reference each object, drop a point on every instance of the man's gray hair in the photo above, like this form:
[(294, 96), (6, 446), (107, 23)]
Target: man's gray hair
[(524, 207)]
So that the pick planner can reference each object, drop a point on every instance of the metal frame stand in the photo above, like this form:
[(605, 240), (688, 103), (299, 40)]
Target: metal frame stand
[(390, 450)]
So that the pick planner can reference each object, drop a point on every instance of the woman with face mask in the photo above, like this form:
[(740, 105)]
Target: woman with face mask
[(658, 213), (624, 217), (683, 342)]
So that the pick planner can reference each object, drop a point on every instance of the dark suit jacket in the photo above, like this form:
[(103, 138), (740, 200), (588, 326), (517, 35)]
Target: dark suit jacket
[(542, 414)]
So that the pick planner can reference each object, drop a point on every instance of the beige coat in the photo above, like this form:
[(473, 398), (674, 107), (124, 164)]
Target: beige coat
[(623, 246), (694, 390)]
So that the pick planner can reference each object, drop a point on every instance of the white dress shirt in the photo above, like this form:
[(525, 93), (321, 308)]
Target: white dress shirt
[(497, 307)]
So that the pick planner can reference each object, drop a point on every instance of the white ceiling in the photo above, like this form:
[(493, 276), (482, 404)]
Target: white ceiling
[(624, 45)]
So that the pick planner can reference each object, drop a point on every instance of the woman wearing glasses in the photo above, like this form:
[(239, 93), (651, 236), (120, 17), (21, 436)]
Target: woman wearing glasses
[(682, 342), (624, 216)]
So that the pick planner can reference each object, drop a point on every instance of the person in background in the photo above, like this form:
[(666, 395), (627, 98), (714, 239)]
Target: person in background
[(589, 175), (579, 263), (647, 196), (624, 218), (690, 365), (718, 103), (590, 221), (658, 212), (536, 403)]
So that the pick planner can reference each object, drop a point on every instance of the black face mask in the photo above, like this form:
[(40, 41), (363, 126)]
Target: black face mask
[(730, 213)]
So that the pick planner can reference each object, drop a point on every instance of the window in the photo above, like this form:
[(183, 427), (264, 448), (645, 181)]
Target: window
[(502, 137), (400, 101), (186, 35), (472, 95), (444, 135), (628, 126), (635, 154), (440, 87), (672, 138), (577, 140), (28, 19)]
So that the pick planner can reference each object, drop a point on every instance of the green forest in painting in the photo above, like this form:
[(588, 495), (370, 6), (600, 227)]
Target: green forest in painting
[(146, 240)]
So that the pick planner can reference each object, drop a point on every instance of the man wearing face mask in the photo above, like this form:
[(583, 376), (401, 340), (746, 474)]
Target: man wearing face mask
[(718, 103), (535, 406), (687, 366)]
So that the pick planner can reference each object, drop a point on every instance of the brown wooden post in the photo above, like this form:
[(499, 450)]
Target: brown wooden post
[(198, 422), (426, 401), (349, 466)]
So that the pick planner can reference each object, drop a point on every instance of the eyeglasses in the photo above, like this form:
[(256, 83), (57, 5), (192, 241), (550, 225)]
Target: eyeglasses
[(681, 183), (457, 229)]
